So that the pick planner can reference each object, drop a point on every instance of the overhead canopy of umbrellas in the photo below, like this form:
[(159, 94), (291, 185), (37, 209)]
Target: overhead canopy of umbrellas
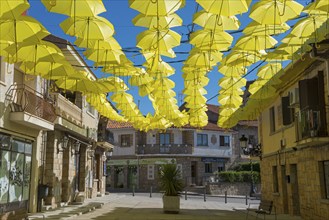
[(22, 40)]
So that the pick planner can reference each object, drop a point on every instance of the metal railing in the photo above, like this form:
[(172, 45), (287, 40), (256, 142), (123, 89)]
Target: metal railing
[(164, 149), (308, 124), (25, 99)]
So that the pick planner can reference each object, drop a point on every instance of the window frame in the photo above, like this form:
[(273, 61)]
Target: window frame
[(272, 119), (208, 168), (204, 137), (224, 142), (2, 72), (325, 179), (124, 137), (166, 139), (275, 179)]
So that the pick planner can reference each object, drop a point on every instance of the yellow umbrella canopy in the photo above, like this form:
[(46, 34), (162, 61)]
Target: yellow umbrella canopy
[(264, 93), (195, 100), (255, 28), (160, 40), (122, 97), (192, 91), (113, 84), (231, 91), (230, 100), (159, 68), (224, 7), (141, 79), (155, 22), (255, 42), (20, 29), (109, 43), (308, 26), (164, 84), (293, 40), (157, 7), (103, 55), (72, 8), (275, 11), (200, 58), (10, 9), (269, 70), (232, 71), (255, 86), (241, 58), (227, 111), (192, 75), (211, 40), (322, 5), (214, 21), (228, 82), (89, 28), (32, 51), (145, 89)]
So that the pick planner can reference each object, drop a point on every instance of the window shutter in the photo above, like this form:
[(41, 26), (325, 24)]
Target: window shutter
[(308, 94), (286, 111), (322, 108), (221, 140)]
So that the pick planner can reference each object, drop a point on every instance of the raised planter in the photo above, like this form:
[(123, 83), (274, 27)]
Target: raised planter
[(171, 204)]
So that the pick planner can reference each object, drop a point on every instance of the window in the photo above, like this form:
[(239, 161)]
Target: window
[(164, 139), (325, 181), (272, 119), (150, 172), (224, 140), (90, 109), (275, 179), (208, 167), (2, 71), (125, 140), (15, 169), (287, 112), (251, 140), (202, 140)]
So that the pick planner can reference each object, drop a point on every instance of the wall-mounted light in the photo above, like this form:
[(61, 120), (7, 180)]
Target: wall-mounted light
[(91, 153), (62, 145), (76, 147)]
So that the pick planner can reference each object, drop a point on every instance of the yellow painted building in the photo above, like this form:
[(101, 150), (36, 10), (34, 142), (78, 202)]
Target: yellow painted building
[(293, 132)]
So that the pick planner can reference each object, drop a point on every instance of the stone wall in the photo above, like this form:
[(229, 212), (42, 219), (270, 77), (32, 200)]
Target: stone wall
[(240, 189)]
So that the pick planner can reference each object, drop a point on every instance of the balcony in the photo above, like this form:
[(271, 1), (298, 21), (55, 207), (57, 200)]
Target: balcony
[(66, 109), (29, 108), (164, 149)]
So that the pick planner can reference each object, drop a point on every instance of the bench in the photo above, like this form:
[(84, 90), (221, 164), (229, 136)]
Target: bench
[(264, 208)]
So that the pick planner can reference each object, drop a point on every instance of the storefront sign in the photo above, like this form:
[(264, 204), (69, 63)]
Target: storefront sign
[(141, 161), (213, 160)]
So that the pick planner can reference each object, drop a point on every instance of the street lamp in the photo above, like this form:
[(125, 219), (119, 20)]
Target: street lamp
[(249, 149)]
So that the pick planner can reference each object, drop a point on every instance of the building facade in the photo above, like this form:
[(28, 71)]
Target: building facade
[(137, 156), (293, 131)]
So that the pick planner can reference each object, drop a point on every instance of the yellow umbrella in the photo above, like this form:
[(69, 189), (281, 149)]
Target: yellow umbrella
[(211, 40), (157, 67), (113, 84), (255, 42), (264, 93), (200, 58), (141, 79), (215, 21), (160, 40), (269, 70), (230, 100), (231, 91), (227, 111), (155, 22), (275, 11), (199, 81), (192, 75), (322, 5), (157, 7), (228, 82), (195, 100), (224, 7), (32, 52), (88, 28), (122, 97), (241, 58), (103, 55), (3, 46), (11, 9), (255, 28), (109, 43), (191, 91), (255, 86), (232, 71), (72, 8), (145, 89), (308, 26), (163, 84)]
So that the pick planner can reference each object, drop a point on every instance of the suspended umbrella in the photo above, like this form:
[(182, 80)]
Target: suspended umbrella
[(122, 97), (227, 111), (103, 55), (255, 28), (224, 7), (192, 75), (230, 100), (293, 40), (211, 40), (141, 79), (264, 93), (241, 58), (255, 86), (269, 70), (156, 7), (157, 22), (109, 43), (231, 91), (191, 91), (195, 100), (200, 58), (88, 28), (275, 12), (11, 9), (197, 81), (75, 8), (322, 5), (33, 51), (232, 71), (255, 42), (308, 26), (157, 67), (227, 82), (164, 84), (113, 84), (3, 46), (159, 40), (214, 21)]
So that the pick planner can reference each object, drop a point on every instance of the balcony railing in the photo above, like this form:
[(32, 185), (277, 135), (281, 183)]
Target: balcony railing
[(164, 149), (25, 99), (67, 109), (308, 124)]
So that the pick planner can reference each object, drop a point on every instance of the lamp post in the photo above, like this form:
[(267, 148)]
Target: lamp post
[(248, 149)]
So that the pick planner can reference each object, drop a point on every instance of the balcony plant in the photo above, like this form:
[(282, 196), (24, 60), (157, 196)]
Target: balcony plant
[(171, 183)]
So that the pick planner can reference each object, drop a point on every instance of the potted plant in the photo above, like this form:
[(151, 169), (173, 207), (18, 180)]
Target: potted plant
[(171, 183)]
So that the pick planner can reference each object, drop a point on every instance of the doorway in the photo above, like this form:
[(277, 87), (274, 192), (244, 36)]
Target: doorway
[(284, 190), (132, 176), (294, 189), (194, 172)]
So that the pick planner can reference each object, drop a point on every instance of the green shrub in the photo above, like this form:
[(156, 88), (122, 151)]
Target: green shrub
[(238, 176), (246, 167)]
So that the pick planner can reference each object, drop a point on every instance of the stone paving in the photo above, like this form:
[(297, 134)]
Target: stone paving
[(124, 206)]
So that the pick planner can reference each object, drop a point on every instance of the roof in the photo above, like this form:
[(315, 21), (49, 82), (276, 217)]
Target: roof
[(118, 125), (251, 123)]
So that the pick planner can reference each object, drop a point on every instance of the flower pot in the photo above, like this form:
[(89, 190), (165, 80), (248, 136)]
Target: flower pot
[(171, 204)]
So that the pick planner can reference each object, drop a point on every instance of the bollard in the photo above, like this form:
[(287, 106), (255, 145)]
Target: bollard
[(133, 190), (204, 195), (225, 196), (246, 199), (151, 192), (185, 194)]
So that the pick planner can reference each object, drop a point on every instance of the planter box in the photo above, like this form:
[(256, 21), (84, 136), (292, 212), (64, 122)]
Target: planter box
[(171, 204)]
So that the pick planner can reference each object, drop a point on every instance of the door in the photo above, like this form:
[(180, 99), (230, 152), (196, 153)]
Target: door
[(294, 189), (284, 190), (194, 172), (132, 176)]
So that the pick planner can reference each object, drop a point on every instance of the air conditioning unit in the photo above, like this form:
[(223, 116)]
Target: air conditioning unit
[(294, 97)]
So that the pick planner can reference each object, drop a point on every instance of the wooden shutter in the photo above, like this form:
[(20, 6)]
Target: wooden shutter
[(286, 111), (322, 107), (308, 94), (221, 140)]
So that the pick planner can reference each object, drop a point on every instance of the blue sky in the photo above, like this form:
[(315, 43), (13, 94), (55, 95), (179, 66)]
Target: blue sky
[(120, 15)]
